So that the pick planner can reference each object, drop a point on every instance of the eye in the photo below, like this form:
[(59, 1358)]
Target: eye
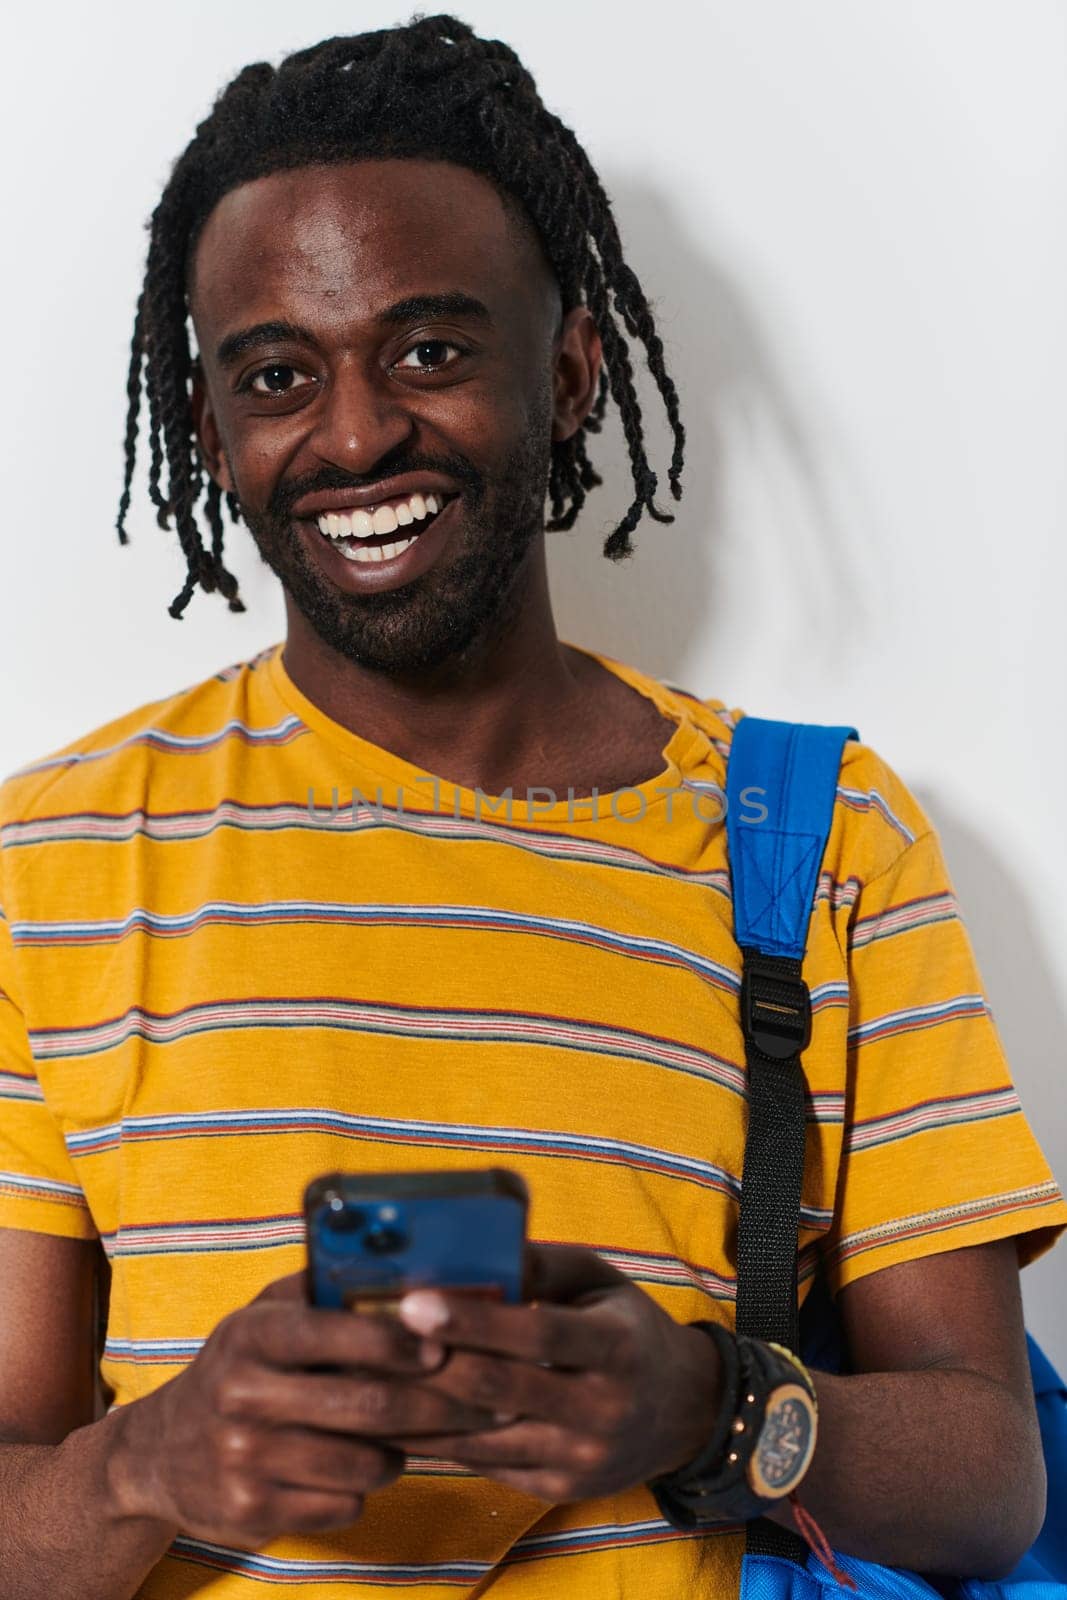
[(434, 346), (278, 378)]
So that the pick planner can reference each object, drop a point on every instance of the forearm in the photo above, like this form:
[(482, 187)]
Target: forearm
[(63, 1529), (935, 1470)]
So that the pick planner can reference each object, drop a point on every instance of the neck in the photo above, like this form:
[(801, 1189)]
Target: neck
[(497, 714)]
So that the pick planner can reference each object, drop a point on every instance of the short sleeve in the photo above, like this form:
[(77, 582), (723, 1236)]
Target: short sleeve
[(39, 1189), (937, 1151)]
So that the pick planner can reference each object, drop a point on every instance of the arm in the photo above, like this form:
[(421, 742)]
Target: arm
[(62, 1532), (929, 1454)]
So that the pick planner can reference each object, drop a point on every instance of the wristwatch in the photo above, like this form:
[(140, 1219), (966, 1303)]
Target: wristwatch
[(763, 1440)]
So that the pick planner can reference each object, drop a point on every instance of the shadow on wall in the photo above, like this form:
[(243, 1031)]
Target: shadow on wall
[(734, 555), (1032, 1023), (739, 413)]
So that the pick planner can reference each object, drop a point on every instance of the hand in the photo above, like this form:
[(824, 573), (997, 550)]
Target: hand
[(603, 1389), (251, 1441)]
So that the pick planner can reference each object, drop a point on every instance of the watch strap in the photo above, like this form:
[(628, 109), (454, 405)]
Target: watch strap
[(762, 1444)]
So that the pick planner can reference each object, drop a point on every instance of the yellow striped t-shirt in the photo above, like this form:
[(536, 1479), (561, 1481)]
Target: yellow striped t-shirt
[(242, 946)]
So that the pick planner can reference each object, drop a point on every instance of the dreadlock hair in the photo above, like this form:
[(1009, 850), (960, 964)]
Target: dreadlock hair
[(428, 89)]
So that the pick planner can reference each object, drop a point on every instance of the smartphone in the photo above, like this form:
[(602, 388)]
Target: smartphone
[(373, 1236)]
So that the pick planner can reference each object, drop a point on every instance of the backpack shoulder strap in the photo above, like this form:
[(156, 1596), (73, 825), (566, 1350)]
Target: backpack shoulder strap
[(781, 780)]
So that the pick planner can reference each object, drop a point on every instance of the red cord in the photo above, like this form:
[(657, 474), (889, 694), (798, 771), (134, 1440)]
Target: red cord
[(815, 1537)]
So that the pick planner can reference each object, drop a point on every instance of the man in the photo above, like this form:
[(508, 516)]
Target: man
[(429, 888)]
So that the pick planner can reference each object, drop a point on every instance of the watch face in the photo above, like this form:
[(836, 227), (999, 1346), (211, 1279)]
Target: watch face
[(785, 1444)]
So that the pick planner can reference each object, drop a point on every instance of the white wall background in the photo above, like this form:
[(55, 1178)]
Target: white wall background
[(852, 221)]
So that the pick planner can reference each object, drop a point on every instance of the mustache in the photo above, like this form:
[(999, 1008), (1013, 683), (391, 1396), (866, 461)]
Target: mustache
[(285, 494)]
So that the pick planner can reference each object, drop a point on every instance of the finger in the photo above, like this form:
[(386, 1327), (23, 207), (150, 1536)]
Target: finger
[(300, 1511), (499, 1384), (522, 1444), (292, 1287), (587, 1338), (370, 1407), (531, 1447), (543, 1483), (288, 1335), (304, 1458)]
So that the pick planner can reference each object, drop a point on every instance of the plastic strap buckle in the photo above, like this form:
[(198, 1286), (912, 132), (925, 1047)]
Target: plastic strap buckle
[(775, 1005)]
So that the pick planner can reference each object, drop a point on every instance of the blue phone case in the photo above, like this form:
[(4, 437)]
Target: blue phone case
[(372, 1237)]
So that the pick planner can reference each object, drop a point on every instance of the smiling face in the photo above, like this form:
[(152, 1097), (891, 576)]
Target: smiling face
[(372, 334)]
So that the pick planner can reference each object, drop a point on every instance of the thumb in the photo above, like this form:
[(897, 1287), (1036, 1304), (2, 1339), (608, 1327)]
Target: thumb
[(292, 1287), (564, 1272)]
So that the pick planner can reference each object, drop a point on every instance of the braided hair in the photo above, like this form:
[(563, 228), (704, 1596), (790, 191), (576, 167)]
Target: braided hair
[(428, 89)]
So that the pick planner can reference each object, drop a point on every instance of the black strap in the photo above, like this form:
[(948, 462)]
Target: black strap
[(776, 1022)]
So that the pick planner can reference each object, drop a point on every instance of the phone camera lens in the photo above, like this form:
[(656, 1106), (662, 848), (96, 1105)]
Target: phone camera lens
[(383, 1240), (340, 1218)]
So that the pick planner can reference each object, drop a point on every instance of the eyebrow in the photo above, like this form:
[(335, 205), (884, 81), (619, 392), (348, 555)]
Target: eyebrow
[(415, 308)]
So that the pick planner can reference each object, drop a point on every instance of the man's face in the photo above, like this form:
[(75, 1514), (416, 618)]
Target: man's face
[(319, 381)]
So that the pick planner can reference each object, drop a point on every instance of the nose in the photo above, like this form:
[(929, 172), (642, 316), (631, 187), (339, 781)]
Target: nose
[(359, 421)]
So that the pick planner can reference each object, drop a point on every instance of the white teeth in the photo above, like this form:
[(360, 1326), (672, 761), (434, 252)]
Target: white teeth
[(383, 519), (375, 552)]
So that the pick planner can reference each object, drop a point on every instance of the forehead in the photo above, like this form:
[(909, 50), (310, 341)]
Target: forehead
[(343, 239)]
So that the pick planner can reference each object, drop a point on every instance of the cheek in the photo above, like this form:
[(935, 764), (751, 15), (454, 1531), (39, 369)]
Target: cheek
[(495, 428), (258, 459)]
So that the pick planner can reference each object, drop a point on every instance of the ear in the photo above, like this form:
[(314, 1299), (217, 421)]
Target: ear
[(579, 354), (208, 437)]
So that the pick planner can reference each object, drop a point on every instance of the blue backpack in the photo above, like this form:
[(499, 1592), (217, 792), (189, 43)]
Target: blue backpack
[(789, 772)]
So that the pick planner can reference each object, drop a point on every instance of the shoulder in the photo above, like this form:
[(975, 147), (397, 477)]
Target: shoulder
[(875, 811), (105, 767), (876, 815)]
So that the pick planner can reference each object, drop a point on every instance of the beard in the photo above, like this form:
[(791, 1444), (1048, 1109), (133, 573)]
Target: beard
[(465, 601)]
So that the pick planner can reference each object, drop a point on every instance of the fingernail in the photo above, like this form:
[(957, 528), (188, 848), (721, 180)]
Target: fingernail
[(431, 1354), (424, 1312)]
